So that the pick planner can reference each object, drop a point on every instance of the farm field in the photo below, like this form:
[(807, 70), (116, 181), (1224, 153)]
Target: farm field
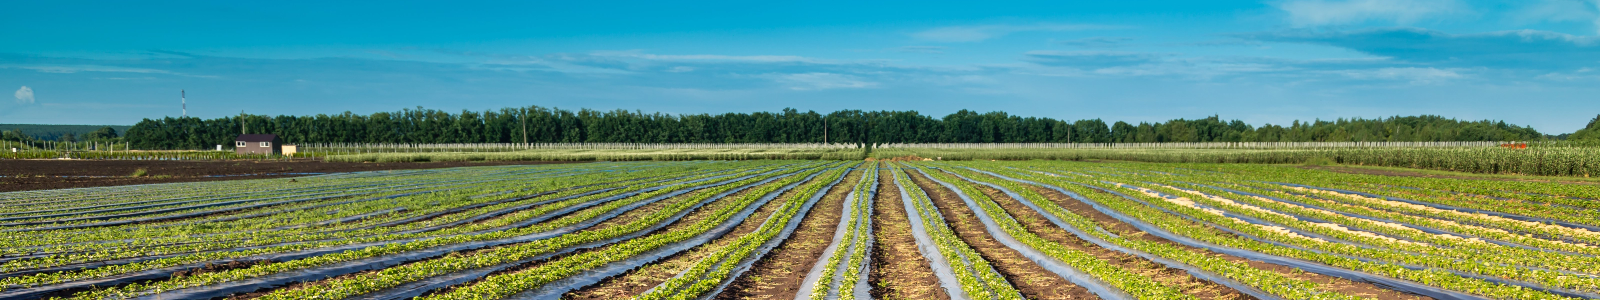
[(39, 174), (796, 229)]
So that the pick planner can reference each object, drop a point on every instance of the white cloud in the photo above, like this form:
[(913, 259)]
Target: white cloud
[(706, 57), (1089, 60), (25, 95), (1414, 75), (984, 32), (1097, 42), (822, 81), (1597, 15), (1544, 11), (1337, 12), (921, 49), (1557, 11), (68, 69)]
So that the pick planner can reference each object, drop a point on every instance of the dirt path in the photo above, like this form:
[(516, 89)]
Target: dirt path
[(1033, 281), (779, 274), (898, 270), (33, 174), (1364, 290)]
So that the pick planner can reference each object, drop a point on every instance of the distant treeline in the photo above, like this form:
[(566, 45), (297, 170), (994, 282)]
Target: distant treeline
[(550, 125), (39, 132)]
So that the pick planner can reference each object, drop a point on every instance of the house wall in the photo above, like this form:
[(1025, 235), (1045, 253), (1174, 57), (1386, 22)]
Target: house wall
[(255, 148)]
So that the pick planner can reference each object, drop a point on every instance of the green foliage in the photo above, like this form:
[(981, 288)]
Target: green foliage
[(1543, 161), (1589, 134), (54, 132), (551, 125), (103, 133), (1319, 161)]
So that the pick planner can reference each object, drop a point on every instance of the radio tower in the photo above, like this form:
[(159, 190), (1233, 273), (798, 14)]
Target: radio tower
[(185, 97)]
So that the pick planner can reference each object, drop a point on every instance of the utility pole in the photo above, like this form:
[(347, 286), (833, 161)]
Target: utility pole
[(185, 98), (824, 130), (241, 123)]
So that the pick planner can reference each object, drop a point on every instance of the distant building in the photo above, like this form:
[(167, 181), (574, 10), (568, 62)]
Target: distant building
[(257, 144)]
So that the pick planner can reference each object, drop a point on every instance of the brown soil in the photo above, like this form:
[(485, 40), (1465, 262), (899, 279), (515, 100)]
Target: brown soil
[(1381, 172), (1033, 281), (637, 281), (1175, 278), (898, 270), (1364, 290), (779, 274), (34, 174)]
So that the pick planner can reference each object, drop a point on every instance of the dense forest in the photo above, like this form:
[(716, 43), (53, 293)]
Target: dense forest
[(549, 125)]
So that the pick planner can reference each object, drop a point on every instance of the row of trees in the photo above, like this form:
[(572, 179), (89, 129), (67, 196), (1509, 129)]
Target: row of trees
[(536, 124), (104, 134)]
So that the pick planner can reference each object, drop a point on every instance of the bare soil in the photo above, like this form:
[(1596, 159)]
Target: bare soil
[(898, 270), (1033, 281), (39, 174), (1360, 289), (780, 273)]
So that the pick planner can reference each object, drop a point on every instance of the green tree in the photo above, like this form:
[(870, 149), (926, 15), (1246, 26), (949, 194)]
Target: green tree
[(1589, 132), (104, 133)]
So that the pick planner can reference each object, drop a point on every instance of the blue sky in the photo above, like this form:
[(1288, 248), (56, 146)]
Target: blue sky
[(1534, 62)]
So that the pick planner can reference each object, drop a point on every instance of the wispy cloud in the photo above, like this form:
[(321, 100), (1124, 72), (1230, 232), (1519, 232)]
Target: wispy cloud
[(1338, 12), (1503, 49), (24, 95), (1096, 42), (921, 49), (821, 81), (1090, 60), (953, 34), (1412, 75), (1556, 11), (1536, 11), (707, 57), (85, 68)]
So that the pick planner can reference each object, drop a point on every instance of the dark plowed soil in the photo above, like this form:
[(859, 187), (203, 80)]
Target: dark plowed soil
[(898, 270), (1364, 290), (637, 281), (30, 174), (1033, 281), (1175, 278), (779, 274)]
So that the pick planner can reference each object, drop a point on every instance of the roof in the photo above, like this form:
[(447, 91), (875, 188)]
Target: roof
[(256, 138)]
